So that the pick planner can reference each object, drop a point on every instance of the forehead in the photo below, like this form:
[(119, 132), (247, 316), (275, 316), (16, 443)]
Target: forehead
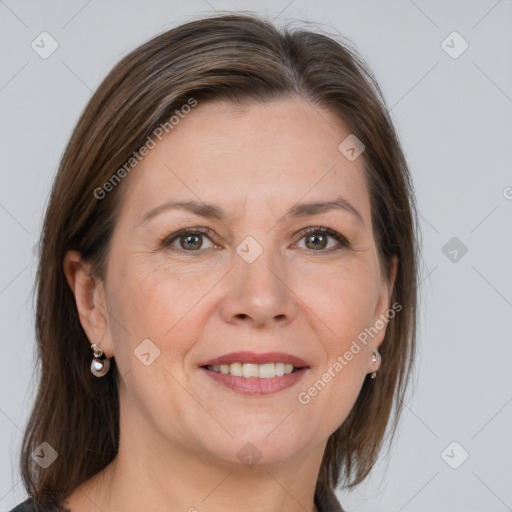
[(268, 154)]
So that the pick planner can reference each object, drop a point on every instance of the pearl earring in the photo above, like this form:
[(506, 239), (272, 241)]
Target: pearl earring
[(101, 363), (376, 360)]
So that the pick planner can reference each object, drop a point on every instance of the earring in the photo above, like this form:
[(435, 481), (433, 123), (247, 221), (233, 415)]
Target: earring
[(101, 363), (376, 360)]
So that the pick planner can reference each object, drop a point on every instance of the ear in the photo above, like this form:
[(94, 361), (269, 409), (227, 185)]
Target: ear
[(89, 295), (384, 302)]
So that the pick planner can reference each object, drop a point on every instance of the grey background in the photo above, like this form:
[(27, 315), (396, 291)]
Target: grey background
[(454, 119)]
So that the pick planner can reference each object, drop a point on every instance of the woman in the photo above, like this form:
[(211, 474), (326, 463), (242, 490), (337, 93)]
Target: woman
[(226, 309)]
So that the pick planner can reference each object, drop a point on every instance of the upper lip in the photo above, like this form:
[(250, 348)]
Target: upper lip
[(254, 358)]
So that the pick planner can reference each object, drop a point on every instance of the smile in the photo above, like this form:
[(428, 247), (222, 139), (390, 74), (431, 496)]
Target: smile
[(252, 385), (261, 371)]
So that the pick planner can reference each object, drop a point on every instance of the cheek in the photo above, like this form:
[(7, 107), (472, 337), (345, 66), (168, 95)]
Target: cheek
[(155, 304), (344, 306), (165, 309), (344, 300)]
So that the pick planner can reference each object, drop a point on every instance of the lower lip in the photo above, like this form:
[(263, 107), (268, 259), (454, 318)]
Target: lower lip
[(254, 385)]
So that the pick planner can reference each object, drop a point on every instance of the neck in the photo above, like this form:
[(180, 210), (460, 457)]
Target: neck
[(146, 475)]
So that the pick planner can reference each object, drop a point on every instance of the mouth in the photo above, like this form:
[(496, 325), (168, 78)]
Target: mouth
[(251, 373), (260, 371)]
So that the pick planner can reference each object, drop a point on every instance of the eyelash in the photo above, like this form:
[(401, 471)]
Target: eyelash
[(167, 241)]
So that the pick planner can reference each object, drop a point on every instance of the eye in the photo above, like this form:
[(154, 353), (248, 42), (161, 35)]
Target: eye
[(189, 240), (317, 239), (192, 239)]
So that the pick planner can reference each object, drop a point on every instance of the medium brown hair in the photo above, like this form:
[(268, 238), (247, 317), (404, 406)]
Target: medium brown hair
[(239, 58)]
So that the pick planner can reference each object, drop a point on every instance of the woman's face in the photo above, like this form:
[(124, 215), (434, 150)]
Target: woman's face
[(247, 279)]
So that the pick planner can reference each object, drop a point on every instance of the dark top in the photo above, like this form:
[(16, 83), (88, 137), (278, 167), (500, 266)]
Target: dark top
[(326, 503), (26, 506)]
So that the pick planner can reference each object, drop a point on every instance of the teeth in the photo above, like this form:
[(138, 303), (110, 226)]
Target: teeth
[(249, 370), (279, 369), (267, 371), (261, 371), (235, 369)]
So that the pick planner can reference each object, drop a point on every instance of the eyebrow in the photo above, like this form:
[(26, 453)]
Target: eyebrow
[(215, 212)]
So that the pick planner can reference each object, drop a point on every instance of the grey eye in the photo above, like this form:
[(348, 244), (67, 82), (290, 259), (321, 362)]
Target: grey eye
[(190, 241), (318, 239)]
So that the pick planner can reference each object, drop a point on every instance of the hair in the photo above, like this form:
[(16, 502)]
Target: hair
[(235, 57)]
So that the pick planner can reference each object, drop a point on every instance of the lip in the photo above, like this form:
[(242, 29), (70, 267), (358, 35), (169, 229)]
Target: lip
[(255, 358), (254, 385)]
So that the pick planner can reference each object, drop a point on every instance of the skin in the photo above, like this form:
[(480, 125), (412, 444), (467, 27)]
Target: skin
[(180, 430)]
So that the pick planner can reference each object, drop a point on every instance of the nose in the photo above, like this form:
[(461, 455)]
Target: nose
[(260, 294)]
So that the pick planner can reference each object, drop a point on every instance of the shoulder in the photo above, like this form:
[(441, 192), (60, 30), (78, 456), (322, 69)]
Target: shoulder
[(327, 502), (26, 506)]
